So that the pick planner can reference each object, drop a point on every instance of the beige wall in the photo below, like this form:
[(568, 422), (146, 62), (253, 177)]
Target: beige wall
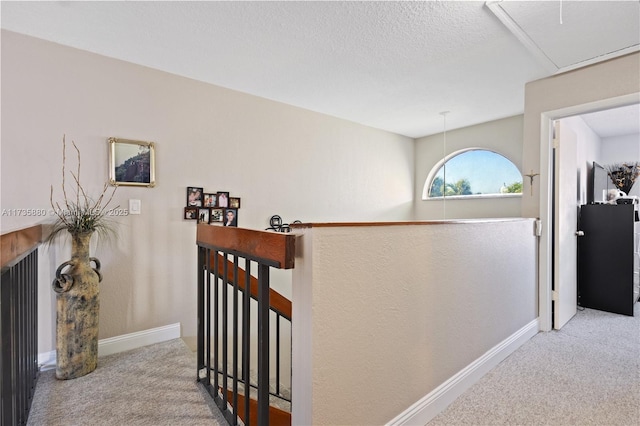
[(415, 305), (502, 136), (604, 85), (279, 159)]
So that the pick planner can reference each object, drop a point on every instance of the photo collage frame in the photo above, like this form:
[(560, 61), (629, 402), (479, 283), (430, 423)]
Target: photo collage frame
[(214, 208)]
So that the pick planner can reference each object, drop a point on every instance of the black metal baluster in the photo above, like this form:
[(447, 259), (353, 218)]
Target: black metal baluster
[(215, 324), (235, 339), (246, 336), (19, 338), (200, 343), (263, 344), (207, 321), (225, 328), (22, 354), (277, 354), (33, 319)]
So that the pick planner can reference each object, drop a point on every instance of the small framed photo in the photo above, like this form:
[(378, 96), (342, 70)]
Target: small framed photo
[(234, 202), (223, 200), (216, 216), (230, 217), (132, 163), (194, 196), (191, 213), (210, 199), (203, 215)]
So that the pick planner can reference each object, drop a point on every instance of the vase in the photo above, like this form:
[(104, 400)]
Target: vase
[(78, 306)]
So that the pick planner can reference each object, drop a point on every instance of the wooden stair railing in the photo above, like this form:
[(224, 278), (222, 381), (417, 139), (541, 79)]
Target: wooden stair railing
[(18, 323), (218, 317), (277, 302), (18, 243)]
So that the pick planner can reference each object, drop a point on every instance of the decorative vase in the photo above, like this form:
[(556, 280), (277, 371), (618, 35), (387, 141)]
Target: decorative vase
[(77, 311)]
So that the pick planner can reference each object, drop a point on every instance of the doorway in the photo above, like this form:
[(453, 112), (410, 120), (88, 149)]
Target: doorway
[(560, 298)]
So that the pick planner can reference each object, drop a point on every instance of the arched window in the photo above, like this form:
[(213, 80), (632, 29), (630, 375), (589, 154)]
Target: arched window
[(473, 173)]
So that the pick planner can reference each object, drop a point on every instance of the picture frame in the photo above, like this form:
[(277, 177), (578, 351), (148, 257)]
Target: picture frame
[(223, 199), (234, 202), (230, 217), (203, 215), (194, 196), (210, 199), (131, 163), (216, 216), (190, 213)]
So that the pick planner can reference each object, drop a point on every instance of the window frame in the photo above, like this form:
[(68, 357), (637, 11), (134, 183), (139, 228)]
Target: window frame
[(436, 168)]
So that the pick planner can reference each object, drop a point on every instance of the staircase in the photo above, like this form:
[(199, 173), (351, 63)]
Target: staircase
[(244, 326), (18, 323)]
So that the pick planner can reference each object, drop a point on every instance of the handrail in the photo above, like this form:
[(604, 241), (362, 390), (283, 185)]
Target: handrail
[(277, 302), (16, 244), (271, 248)]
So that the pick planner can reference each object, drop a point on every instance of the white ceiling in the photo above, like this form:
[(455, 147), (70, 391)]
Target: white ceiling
[(615, 122), (390, 65)]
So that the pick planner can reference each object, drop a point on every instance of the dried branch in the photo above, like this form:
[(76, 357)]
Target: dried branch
[(64, 162), (624, 175), (83, 215), (77, 178)]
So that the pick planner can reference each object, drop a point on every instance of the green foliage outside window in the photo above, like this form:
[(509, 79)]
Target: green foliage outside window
[(514, 188), (461, 187)]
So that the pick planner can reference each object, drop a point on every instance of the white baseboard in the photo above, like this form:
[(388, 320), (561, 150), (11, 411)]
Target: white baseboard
[(429, 406), (125, 342)]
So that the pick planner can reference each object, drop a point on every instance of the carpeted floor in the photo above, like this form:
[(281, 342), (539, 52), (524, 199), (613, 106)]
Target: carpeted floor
[(154, 385), (587, 373)]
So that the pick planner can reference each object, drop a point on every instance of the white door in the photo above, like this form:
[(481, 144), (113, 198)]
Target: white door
[(565, 220)]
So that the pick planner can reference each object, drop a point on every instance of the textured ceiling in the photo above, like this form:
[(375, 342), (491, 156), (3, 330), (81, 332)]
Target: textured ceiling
[(389, 65)]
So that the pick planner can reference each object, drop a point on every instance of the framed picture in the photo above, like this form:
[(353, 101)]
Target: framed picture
[(223, 200), (194, 196), (216, 216), (131, 163), (210, 199), (191, 213), (230, 217), (203, 215), (234, 202)]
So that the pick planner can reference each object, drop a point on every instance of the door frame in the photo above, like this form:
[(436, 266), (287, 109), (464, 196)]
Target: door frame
[(545, 270)]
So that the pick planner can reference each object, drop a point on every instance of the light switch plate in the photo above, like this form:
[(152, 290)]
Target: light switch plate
[(134, 206)]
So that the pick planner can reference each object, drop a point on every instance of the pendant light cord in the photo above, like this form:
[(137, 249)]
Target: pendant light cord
[(444, 163)]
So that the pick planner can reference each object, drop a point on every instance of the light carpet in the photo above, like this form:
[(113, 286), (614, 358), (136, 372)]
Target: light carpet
[(154, 385), (587, 373)]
